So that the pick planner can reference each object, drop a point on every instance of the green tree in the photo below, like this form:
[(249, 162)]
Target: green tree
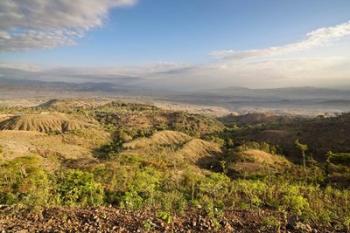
[(328, 161), (302, 148)]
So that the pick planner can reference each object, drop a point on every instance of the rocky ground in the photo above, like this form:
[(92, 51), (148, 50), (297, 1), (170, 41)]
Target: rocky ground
[(105, 219)]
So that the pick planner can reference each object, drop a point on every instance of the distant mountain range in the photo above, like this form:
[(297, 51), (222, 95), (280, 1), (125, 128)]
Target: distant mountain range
[(235, 98)]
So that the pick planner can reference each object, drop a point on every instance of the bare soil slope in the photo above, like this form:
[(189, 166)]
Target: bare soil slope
[(165, 137), (257, 163), (44, 122)]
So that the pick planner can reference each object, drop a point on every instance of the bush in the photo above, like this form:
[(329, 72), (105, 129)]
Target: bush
[(172, 202), (110, 150), (249, 193), (78, 188), (24, 181), (294, 202), (340, 158), (272, 224), (215, 185), (258, 146), (142, 189)]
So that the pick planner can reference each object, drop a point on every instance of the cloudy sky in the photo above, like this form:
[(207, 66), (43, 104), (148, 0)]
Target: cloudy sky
[(182, 43)]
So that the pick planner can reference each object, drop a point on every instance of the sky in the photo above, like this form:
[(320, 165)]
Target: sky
[(179, 43)]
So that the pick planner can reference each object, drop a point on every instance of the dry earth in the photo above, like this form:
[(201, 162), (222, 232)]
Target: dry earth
[(108, 219)]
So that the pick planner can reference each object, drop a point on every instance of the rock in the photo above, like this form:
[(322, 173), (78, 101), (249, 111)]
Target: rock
[(22, 231), (291, 221), (228, 227), (303, 227)]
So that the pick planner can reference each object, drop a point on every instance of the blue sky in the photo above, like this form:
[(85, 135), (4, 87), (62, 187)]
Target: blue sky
[(209, 36), (186, 31)]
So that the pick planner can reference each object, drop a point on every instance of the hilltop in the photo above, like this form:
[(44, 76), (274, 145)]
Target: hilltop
[(44, 122)]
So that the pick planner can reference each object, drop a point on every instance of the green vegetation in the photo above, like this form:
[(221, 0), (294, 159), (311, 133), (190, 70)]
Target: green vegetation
[(75, 187), (302, 148), (171, 162), (339, 158), (24, 181)]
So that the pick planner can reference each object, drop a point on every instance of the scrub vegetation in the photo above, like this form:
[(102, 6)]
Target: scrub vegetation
[(138, 157)]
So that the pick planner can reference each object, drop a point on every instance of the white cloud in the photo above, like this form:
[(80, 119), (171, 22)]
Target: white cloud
[(314, 39), (50, 23), (268, 73), (4, 35), (20, 66)]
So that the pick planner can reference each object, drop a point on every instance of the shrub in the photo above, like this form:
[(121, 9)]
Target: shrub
[(215, 185), (148, 225), (146, 182), (165, 216), (271, 223), (78, 188), (340, 158), (346, 223), (294, 202), (24, 181), (249, 192), (121, 136), (131, 200), (142, 189), (172, 202), (110, 150), (258, 146), (213, 190)]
